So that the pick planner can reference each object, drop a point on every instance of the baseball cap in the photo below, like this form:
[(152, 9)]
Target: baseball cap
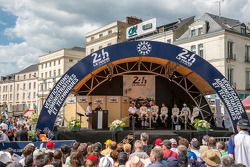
[(158, 142), (167, 143), (108, 142), (243, 124), (50, 144), (92, 158)]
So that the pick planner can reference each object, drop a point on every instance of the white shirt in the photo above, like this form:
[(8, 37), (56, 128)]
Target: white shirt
[(242, 148), (132, 110), (88, 110), (4, 138)]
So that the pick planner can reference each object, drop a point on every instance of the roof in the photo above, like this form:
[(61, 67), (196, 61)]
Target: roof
[(184, 21), (30, 68)]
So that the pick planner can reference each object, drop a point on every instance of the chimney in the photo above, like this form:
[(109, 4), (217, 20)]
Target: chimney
[(132, 20)]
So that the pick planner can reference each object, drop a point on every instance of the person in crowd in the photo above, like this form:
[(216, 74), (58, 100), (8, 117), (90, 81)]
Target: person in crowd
[(221, 146), (5, 158), (97, 148), (173, 145), (158, 142), (122, 159), (227, 161), (135, 161), (49, 134), (22, 134), (204, 146), (238, 146), (3, 137), (114, 155), (144, 139), (92, 161), (127, 149), (185, 142), (167, 152), (57, 158), (107, 149), (194, 147), (106, 162), (182, 157), (138, 146), (28, 150), (211, 158), (50, 147), (65, 152), (156, 157)]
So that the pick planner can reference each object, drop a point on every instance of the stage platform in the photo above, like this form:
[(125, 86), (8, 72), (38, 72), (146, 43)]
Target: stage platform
[(86, 135)]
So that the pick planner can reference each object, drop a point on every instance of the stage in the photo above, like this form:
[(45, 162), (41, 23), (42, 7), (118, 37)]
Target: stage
[(86, 135)]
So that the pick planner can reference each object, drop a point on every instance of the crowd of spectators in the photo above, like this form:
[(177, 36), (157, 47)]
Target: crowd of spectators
[(161, 153)]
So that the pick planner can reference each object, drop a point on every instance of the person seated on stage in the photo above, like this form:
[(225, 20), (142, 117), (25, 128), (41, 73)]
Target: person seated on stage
[(185, 113), (164, 113), (143, 114), (132, 113), (154, 112), (195, 113), (98, 107), (89, 109), (49, 134), (175, 114)]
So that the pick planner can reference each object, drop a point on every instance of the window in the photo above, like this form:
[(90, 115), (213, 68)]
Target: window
[(71, 60), (29, 76), (192, 32), (41, 66), (243, 30), (30, 85), (34, 85), (11, 88), (34, 75), (100, 35), (193, 48), (230, 75), (45, 74), (34, 95), (248, 79), (200, 50), (17, 87), (24, 86), (10, 96), (59, 61), (92, 38), (230, 50), (0, 89), (50, 74), (29, 95), (200, 31), (59, 72), (169, 41), (247, 53), (24, 76), (23, 95), (91, 50), (110, 32), (49, 64), (18, 77), (54, 63), (45, 65), (54, 73), (17, 96)]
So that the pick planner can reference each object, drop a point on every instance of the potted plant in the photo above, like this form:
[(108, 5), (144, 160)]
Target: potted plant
[(201, 125), (75, 125), (116, 126)]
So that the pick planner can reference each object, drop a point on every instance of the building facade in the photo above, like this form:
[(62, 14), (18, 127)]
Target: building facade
[(108, 35), (52, 66)]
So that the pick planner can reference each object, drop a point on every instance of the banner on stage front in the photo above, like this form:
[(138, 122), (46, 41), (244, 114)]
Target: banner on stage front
[(136, 86)]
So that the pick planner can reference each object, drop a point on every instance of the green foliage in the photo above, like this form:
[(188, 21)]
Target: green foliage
[(201, 124), (33, 120), (116, 126), (31, 134)]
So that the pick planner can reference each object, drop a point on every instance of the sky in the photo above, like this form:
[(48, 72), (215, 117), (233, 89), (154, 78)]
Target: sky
[(31, 28)]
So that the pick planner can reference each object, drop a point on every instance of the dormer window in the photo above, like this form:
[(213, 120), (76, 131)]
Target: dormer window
[(243, 29), (192, 32), (200, 31)]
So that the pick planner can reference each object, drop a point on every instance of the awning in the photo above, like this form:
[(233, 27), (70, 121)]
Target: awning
[(28, 113), (246, 103)]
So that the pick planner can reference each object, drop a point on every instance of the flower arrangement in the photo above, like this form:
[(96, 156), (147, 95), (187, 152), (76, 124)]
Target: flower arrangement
[(75, 125), (116, 126), (201, 124)]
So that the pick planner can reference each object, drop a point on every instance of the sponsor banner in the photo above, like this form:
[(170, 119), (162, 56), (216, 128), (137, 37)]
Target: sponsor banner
[(136, 86), (141, 28), (82, 99), (71, 100), (120, 51), (218, 113), (113, 99), (18, 146)]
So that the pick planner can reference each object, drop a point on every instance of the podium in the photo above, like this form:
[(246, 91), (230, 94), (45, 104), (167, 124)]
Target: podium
[(99, 119)]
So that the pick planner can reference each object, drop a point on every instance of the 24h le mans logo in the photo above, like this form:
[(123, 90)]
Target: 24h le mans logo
[(144, 48)]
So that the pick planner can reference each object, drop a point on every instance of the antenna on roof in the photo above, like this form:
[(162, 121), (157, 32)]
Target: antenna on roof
[(219, 5)]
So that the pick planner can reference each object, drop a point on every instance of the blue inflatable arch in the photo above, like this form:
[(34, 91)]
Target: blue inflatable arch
[(209, 76)]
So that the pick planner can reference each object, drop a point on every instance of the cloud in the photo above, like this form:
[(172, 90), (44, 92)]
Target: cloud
[(49, 25)]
